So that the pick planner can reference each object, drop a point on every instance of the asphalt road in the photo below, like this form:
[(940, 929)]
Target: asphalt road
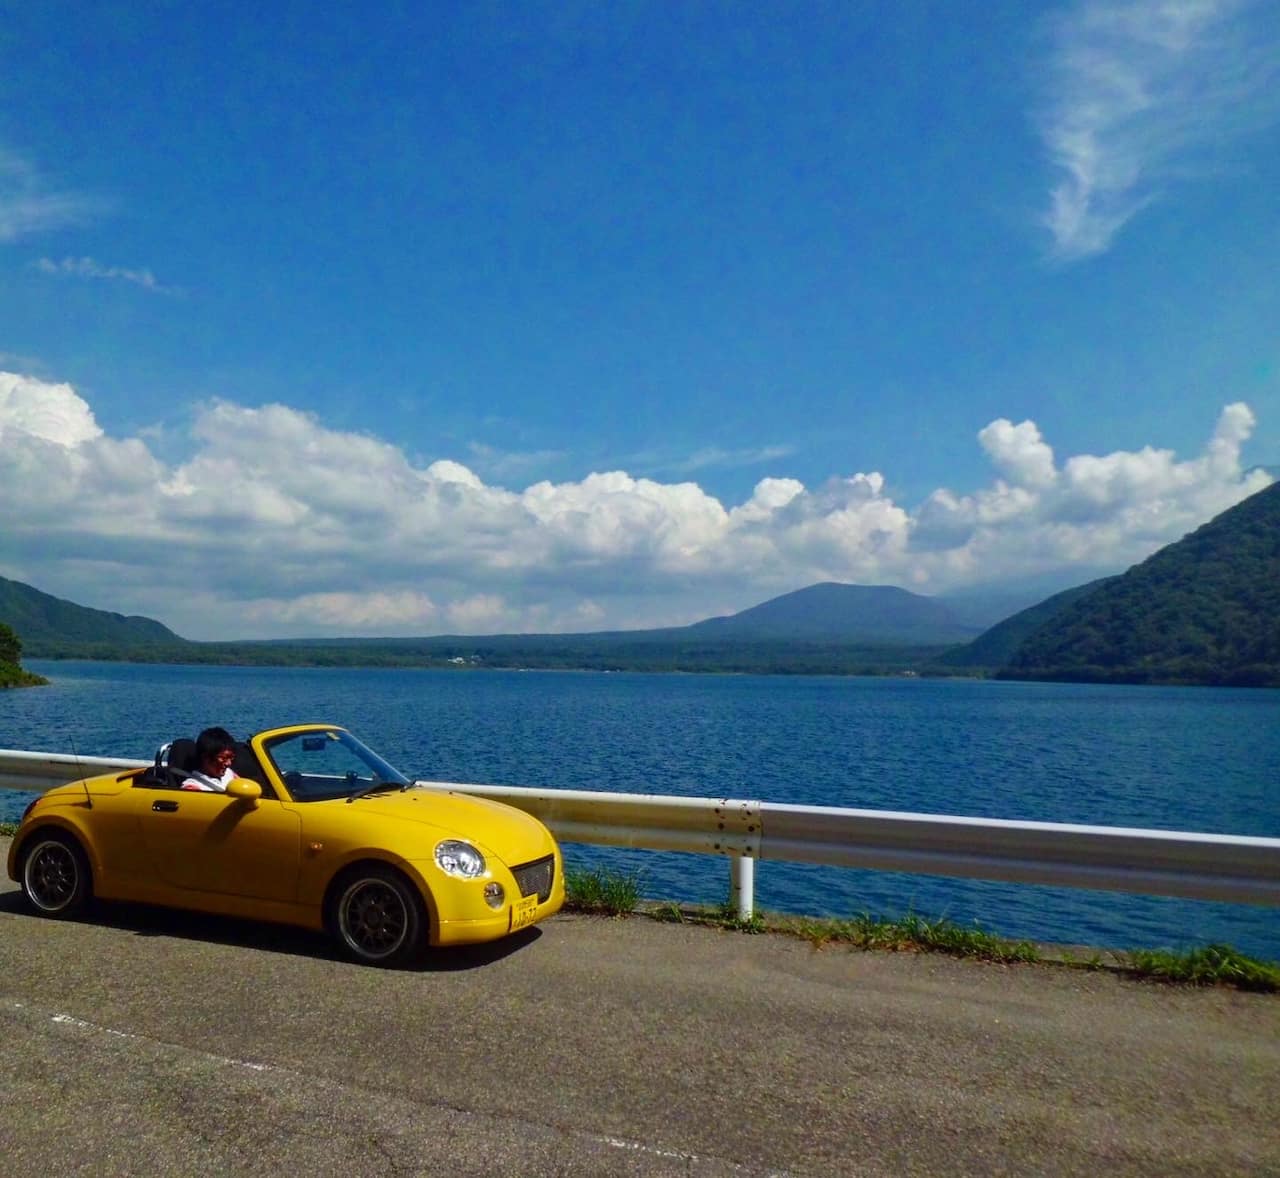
[(146, 1042)]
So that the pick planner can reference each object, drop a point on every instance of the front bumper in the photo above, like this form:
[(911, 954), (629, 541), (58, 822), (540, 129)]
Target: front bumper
[(533, 891)]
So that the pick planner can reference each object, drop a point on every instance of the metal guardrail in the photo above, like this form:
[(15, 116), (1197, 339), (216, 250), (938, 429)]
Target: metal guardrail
[(23, 770), (1235, 868)]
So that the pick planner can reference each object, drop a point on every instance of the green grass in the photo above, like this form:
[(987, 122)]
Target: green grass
[(913, 933), (1219, 965), (601, 891), (8, 828), (668, 912), (727, 917), (1212, 965)]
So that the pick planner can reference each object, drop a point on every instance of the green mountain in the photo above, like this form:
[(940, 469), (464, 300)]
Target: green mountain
[(997, 646), (832, 612), (825, 629), (46, 624), (1204, 610)]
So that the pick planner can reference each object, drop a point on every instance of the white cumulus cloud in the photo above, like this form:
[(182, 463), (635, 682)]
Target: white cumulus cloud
[(1019, 452), (50, 412), (272, 523)]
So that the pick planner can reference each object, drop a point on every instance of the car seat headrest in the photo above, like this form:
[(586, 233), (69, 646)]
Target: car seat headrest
[(182, 755)]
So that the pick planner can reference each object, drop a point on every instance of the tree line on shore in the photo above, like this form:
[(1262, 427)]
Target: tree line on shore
[(12, 673)]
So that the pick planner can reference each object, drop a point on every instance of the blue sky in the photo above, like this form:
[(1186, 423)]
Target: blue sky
[(429, 318)]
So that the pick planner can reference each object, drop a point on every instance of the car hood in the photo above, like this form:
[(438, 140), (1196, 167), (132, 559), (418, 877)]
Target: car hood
[(509, 833)]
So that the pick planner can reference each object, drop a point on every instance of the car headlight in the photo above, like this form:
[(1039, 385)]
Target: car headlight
[(455, 857)]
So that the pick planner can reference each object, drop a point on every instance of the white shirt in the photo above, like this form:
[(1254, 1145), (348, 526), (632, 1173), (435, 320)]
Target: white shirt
[(202, 781)]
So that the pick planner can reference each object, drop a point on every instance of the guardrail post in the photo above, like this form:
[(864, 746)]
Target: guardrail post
[(742, 885)]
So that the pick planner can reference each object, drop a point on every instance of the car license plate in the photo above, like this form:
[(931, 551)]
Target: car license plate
[(523, 912)]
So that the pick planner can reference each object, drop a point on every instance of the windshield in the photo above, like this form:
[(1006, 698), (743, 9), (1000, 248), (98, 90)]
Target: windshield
[(319, 766)]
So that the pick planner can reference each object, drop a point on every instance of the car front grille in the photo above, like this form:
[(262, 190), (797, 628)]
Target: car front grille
[(536, 877)]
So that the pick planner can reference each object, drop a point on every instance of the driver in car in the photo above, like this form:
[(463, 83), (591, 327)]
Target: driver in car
[(215, 752)]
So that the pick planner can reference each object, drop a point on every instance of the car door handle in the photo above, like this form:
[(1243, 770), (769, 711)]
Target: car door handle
[(164, 807)]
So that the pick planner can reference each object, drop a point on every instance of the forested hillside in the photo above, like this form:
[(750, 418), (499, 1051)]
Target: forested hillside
[(49, 625), (997, 646), (1203, 610)]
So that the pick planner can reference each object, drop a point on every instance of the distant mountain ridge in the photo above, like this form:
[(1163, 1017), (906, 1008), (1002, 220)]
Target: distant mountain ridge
[(826, 613), (835, 612), (40, 619)]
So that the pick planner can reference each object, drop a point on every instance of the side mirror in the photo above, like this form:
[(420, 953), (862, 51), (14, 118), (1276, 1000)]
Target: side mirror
[(244, 790)]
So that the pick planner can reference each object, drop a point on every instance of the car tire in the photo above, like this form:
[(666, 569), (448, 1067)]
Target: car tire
[(377, 917), (55, 875)]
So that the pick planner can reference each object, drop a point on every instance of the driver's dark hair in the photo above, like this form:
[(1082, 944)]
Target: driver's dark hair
[(213, 741)]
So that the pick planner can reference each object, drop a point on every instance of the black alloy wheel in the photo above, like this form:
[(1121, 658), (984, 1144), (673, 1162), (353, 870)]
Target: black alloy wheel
[(378, 916), (55, 875)]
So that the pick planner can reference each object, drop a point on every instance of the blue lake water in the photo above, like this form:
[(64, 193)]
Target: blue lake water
[(1174, 758)]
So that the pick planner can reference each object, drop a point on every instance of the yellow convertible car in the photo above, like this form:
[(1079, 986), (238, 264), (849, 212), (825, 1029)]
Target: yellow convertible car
[(316, 830)]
